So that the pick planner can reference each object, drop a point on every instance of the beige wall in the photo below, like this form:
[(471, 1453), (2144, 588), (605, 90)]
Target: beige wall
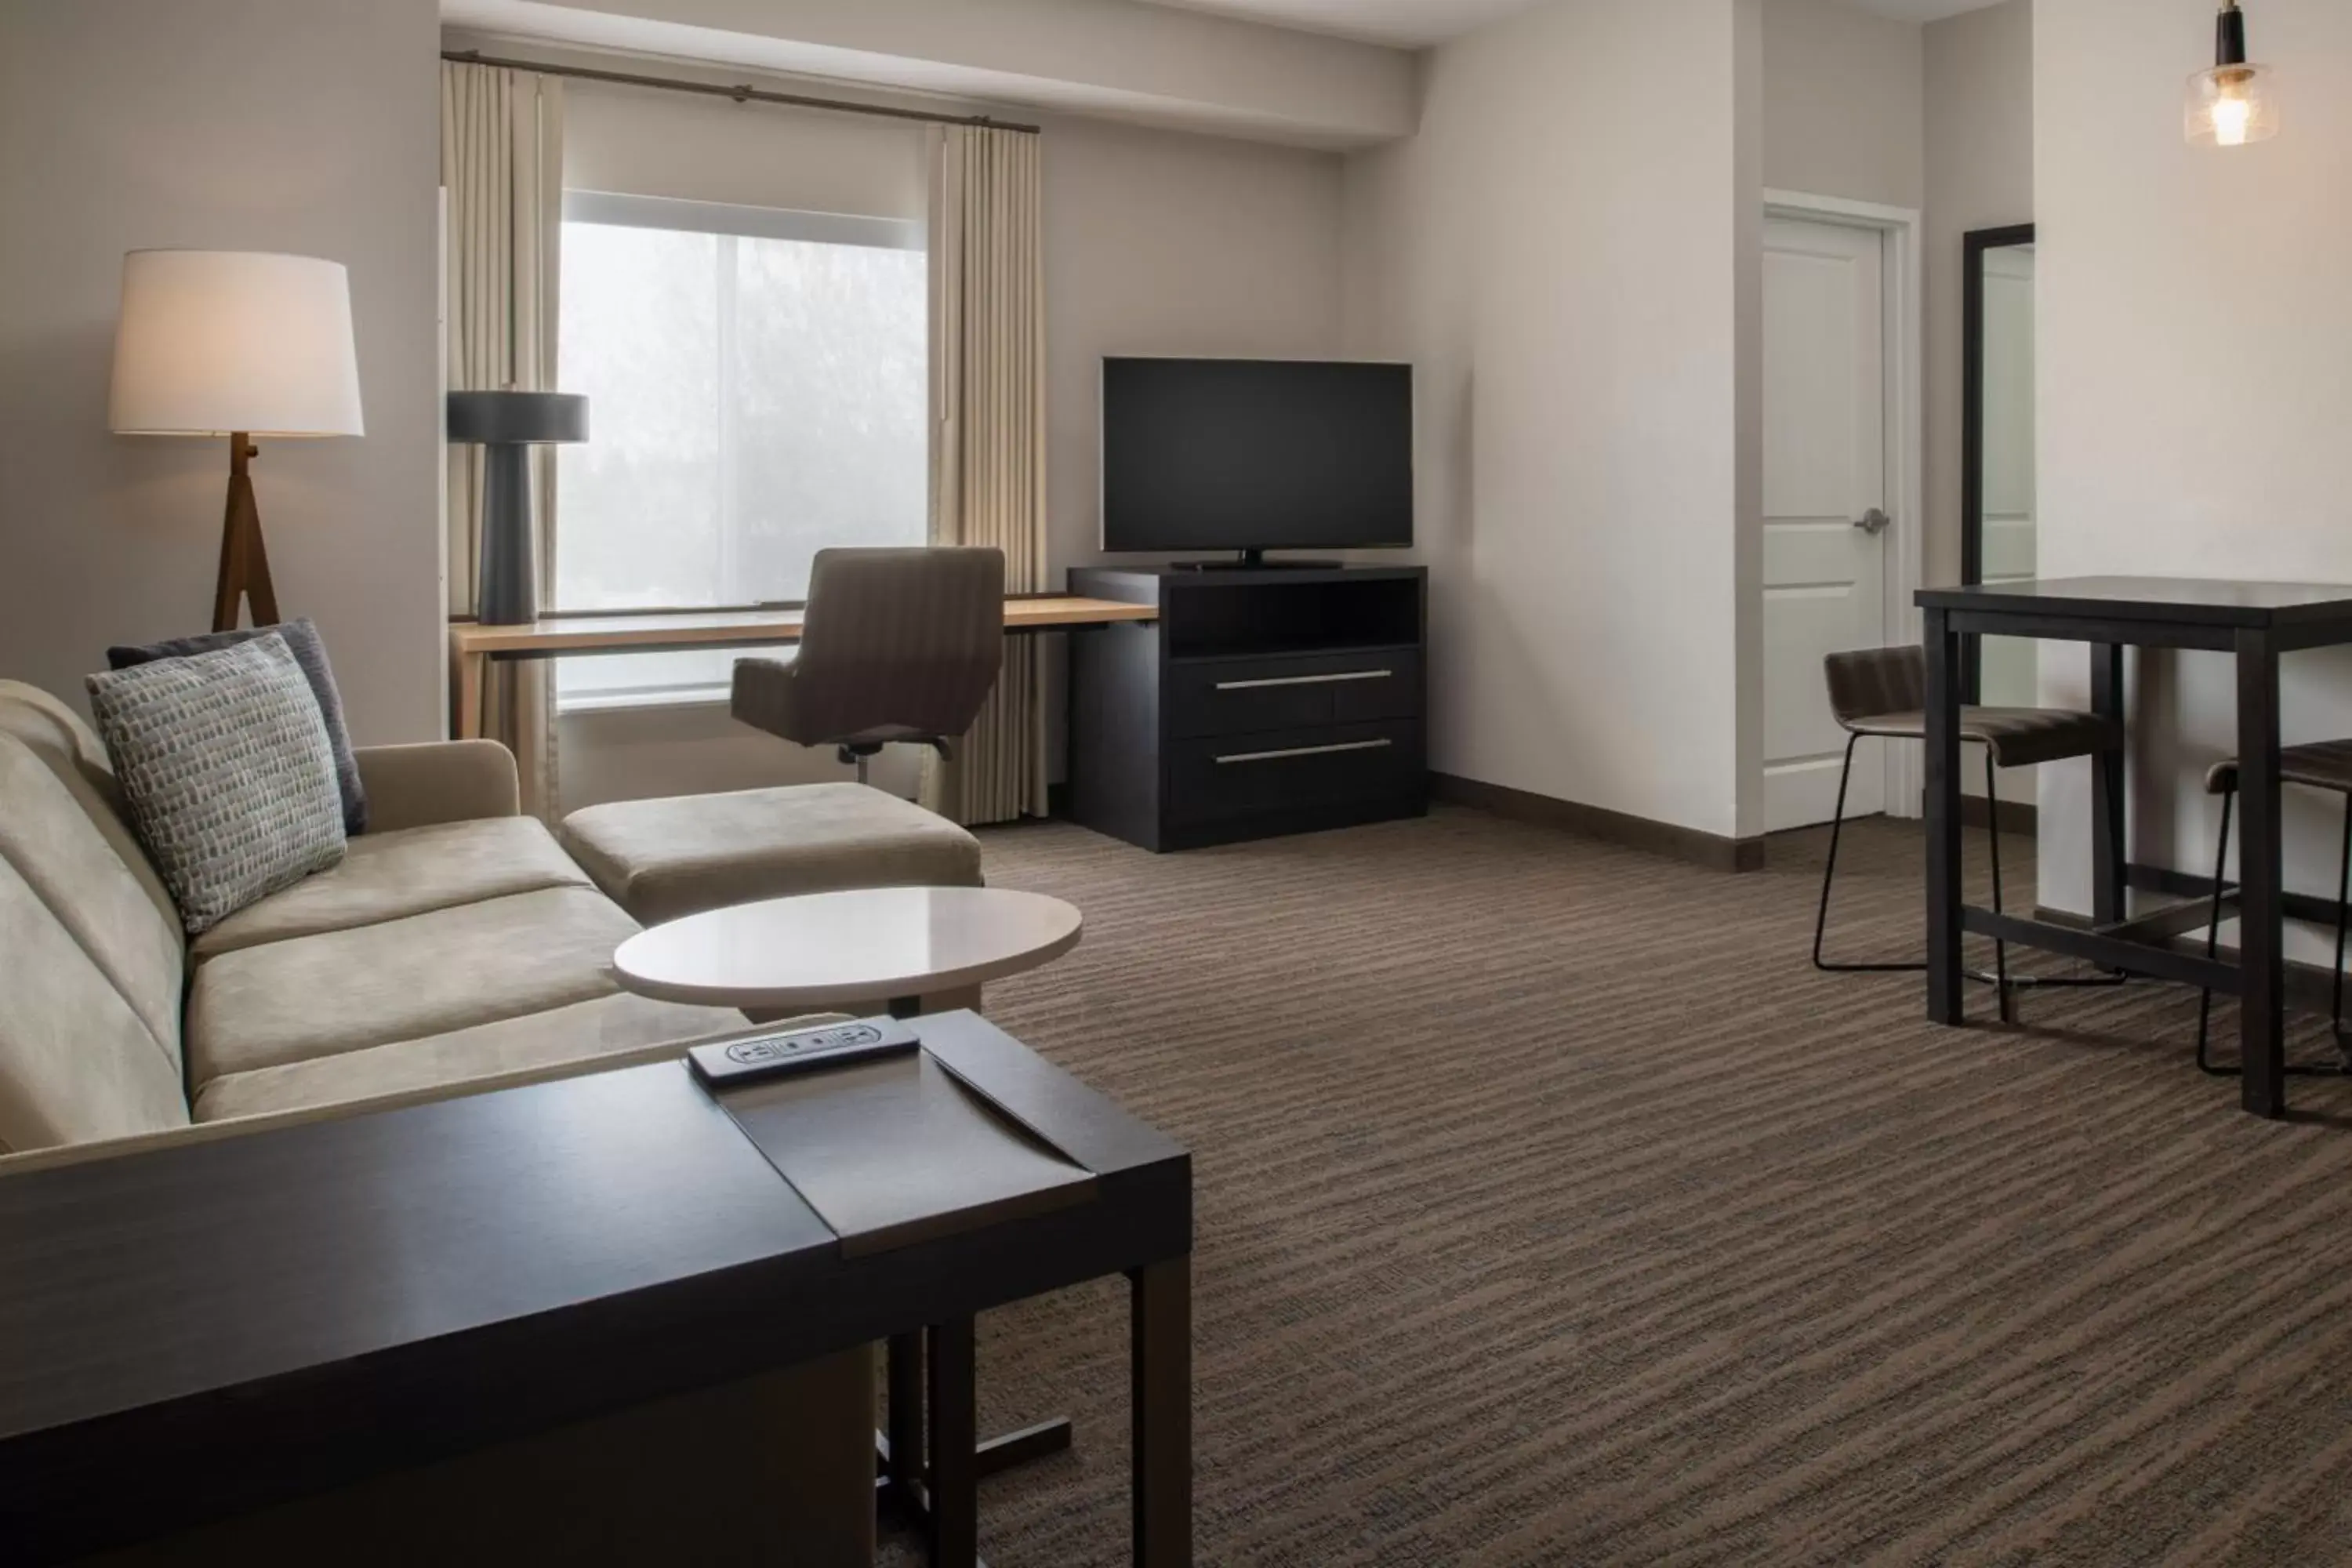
[(1979, 175), (1155, 242), (2194, 389), (652, 143), (1841, 103), (299, 125), (1568, 252)]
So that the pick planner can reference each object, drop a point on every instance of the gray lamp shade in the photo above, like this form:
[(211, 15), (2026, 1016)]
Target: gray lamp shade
[(518, 418), (508, 424)]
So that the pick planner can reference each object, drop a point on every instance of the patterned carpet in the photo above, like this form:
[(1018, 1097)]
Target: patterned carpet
[(1552, 1210)]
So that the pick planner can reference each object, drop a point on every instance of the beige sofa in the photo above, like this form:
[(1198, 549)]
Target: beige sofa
[(456, 945), (457, 949)]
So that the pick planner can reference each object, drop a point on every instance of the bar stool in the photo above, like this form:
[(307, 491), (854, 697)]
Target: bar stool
[(2322, 766), (1882, 693)]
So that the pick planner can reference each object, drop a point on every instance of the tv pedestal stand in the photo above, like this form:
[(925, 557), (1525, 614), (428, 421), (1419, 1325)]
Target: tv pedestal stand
[(1254, 561), (1263, 700)]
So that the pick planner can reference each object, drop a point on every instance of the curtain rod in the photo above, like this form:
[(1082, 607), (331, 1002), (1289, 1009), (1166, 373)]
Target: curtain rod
[(740, 93)]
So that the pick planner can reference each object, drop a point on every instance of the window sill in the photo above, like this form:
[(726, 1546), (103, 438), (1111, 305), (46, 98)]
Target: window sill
[(628, 702)]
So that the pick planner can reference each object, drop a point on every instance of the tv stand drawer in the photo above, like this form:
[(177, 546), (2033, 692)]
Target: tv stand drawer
[(1214, 778), (1241, 696)]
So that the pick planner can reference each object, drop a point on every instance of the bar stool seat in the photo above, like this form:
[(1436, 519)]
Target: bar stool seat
[(2322, 764), (2316, 765), (2017, 737)]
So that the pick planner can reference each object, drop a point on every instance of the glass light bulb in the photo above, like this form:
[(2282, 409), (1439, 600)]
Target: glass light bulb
[(2230, 118), (2231, 106)]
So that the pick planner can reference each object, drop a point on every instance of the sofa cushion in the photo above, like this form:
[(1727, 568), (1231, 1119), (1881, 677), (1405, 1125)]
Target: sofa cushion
[(663, 859), (412, 872), (224, 760), (401, 980), (76, 1062), (49, 839), (576, 1033)]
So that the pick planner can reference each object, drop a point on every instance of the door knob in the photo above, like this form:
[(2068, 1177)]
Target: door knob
[(1873, 521)]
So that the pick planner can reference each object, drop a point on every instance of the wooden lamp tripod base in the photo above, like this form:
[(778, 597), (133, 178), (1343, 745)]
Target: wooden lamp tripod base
[(244, 563)]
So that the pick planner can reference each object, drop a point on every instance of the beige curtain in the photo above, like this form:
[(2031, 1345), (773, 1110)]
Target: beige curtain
[(502, 168), (988, 439)]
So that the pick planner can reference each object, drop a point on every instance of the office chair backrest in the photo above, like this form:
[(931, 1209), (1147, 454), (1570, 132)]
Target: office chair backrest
[(904, 640), (1874, 681)]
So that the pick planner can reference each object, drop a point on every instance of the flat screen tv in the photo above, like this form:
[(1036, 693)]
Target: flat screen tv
[(1255, 455)]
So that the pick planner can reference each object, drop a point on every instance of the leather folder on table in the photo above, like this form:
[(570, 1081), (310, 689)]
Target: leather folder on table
[(898, 1151)]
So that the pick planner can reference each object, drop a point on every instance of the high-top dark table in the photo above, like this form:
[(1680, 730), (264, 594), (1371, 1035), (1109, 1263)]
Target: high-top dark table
[(2257, 623), (241, 1323)]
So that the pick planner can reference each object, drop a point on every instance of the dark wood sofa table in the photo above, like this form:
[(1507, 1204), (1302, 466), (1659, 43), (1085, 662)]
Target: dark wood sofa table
[(243, 1322), (2256, 623)]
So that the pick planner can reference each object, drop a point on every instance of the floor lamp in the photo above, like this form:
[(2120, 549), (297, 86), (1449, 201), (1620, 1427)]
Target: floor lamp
[(241, 345)]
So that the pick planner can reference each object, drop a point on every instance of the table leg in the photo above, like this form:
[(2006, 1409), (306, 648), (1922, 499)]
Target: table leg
[(2261, 967), (955, 1439), (1943, 812), (2108, 865), (468, 670), (905, 1380), (1160, 1370)]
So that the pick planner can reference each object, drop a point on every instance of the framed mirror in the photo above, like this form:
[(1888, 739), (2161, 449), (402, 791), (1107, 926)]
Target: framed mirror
[(1997, 511)]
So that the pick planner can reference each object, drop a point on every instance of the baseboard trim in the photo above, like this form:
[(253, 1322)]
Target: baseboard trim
[(1688, 844), (2016, 816)]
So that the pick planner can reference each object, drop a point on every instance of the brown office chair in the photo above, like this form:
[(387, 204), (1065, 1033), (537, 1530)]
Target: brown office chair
[(2321, 765), (1883, 692), (898, 644)]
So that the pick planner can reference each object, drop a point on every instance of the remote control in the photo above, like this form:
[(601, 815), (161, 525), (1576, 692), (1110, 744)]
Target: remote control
[(726, 1064)]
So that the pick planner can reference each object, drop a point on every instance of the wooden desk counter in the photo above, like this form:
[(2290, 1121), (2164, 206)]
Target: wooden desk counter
[(473, 645)]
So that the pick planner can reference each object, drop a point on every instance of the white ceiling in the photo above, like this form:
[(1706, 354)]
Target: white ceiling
[(1416, 23)]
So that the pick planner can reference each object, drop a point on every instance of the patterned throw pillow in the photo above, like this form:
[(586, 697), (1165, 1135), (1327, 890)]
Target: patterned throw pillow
[(224, 760), (310, 652)]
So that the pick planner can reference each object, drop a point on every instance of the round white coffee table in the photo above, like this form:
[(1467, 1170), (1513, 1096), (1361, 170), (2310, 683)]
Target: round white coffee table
[(894, 945)]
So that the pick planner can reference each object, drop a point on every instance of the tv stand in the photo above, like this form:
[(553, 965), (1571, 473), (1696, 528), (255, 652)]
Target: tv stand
[(1263, 700)]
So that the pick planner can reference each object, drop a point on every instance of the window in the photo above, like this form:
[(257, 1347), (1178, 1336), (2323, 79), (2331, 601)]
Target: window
[(757, 391)]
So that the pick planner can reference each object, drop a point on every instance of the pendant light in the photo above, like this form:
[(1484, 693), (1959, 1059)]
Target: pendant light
[(2235, 102)]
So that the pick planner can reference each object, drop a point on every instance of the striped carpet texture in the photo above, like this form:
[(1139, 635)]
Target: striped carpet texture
[(1553, 1210)]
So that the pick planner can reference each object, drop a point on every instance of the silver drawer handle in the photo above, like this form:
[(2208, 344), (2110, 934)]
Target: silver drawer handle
[(1305, 679), (1304, 752)]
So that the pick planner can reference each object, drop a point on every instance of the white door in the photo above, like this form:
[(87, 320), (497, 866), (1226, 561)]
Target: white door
[(1825, 502)]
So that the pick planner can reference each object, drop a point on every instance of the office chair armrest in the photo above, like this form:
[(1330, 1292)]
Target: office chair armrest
[(764, 695)]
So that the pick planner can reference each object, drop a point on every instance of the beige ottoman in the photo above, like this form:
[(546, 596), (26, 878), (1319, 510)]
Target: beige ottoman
[(663, 859)]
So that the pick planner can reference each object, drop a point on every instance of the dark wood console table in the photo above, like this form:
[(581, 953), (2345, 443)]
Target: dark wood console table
[(236, 1323), (2255, 622)]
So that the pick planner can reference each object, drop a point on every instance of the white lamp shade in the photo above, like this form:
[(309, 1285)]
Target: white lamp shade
[(214, 341)]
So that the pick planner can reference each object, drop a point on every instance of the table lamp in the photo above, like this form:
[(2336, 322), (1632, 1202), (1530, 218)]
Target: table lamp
[(507, 424), (242, 344)]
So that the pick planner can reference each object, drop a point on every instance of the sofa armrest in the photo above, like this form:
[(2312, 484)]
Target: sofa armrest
[(437, 781)]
